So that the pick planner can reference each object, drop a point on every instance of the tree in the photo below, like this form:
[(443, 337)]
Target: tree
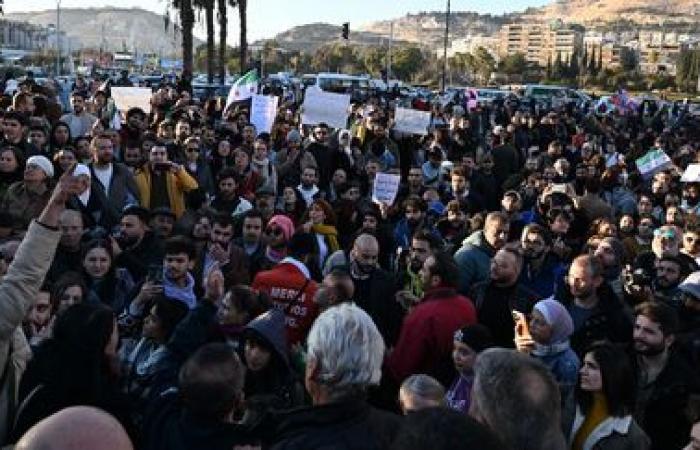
[(573, 68), (584, 61), (600, 58), (223, 23), (558, 69), (485, 63), (243, 19), (513, 64), (208, 7), (406, 62), (186, 11), (628, 59), (549, 67), (592, 70)]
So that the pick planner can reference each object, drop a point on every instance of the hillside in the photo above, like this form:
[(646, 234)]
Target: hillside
[(311, 36), (641, 12), (111, 28)]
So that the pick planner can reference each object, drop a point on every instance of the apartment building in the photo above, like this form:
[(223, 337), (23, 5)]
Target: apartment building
[(539, 42)]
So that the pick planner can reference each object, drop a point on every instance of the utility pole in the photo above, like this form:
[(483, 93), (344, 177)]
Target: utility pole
[(58, 37), (444, 54)]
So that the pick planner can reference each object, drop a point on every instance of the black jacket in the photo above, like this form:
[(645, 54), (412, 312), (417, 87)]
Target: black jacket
[(136, 260), (169, 427), (494, 307), (609, 321), (662, 415), (375, 295), (350, 425)]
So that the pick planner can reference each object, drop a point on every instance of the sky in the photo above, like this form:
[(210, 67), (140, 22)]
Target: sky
[(287, 14)]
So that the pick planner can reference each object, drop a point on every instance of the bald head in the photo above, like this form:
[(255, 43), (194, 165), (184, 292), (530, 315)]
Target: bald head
[(76, 427)]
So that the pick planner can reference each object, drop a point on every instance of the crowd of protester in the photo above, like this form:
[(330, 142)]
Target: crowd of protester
[(178, 280)]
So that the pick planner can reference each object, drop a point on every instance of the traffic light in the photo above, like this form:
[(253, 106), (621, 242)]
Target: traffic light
[(346, 30)]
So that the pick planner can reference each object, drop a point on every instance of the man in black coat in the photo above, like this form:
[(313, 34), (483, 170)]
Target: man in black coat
[(375, 289), (345, 353), (137, 247)]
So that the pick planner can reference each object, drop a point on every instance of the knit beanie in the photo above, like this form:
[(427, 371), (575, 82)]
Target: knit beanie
[(285, 224), (557, 317), (477, 337), (43, 163)]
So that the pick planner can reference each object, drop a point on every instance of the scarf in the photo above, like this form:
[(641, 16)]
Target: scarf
[(275, 255), (547, 350), (331, 234)]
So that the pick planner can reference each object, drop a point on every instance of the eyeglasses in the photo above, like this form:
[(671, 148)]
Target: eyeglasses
[(192, 150)]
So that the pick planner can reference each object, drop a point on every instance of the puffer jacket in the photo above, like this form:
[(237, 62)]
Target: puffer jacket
[(473, 260), (18, 292)]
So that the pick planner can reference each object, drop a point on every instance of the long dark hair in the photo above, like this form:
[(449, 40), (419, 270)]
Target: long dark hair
[(105, 287), (617, 377), (73, 361)]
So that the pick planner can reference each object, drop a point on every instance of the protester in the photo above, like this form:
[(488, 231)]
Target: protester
[(531, 199)]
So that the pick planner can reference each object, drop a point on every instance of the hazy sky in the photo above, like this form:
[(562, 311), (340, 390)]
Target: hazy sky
[(268, 17)]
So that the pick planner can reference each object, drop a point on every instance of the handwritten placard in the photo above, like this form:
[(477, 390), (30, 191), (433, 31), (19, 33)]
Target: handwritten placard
[(411, 121), (263, 109), (132, 97), (325, 107), (386, 186)]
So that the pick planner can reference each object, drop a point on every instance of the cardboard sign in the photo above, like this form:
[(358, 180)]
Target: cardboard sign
[(411, 121), (325, 107), (386, 186), (263, 110), (691, 174), (132, 97), (654, 161)]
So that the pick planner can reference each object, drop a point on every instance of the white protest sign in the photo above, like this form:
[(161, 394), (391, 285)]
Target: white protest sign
[(386, 186), (132, 97), (325, 107), (691, 174), (411, 121), (263, 110), (654, 161)]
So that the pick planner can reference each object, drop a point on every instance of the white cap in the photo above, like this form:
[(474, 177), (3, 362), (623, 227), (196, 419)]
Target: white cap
[(43, 163)]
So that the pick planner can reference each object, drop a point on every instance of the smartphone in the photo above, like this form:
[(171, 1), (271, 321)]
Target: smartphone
[(161, 166), (155, 274), (522, 330)]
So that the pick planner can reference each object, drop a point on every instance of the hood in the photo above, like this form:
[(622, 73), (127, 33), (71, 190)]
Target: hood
[(271, 327), (478, 240)]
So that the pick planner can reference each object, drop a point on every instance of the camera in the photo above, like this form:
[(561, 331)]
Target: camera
[(638, 277)]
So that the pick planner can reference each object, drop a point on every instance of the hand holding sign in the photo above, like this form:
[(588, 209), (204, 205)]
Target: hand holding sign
[(386, 186)]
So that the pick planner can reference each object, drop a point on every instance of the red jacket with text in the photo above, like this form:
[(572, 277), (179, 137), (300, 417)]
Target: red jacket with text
[(292, 291)]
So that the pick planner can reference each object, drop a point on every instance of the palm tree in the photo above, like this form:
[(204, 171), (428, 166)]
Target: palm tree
[(208, 7), (186, 25), (243, 19), (223, 23)]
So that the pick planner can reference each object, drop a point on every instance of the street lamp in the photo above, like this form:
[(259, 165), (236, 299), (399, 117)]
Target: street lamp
[(444, 55)]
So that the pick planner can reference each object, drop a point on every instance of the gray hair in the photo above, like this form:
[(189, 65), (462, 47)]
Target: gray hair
[(425, 387), (348, 349), (516, 396)]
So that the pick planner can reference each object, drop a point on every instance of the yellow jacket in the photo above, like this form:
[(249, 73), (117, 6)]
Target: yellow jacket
[(177, 183)]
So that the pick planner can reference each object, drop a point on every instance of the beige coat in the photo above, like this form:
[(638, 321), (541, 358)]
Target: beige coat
[(18, 291)]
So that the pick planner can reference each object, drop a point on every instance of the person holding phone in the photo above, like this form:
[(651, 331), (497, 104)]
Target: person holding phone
[(162, 182)]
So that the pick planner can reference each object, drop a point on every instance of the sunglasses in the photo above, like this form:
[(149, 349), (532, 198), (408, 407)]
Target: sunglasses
[(192, 150)]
